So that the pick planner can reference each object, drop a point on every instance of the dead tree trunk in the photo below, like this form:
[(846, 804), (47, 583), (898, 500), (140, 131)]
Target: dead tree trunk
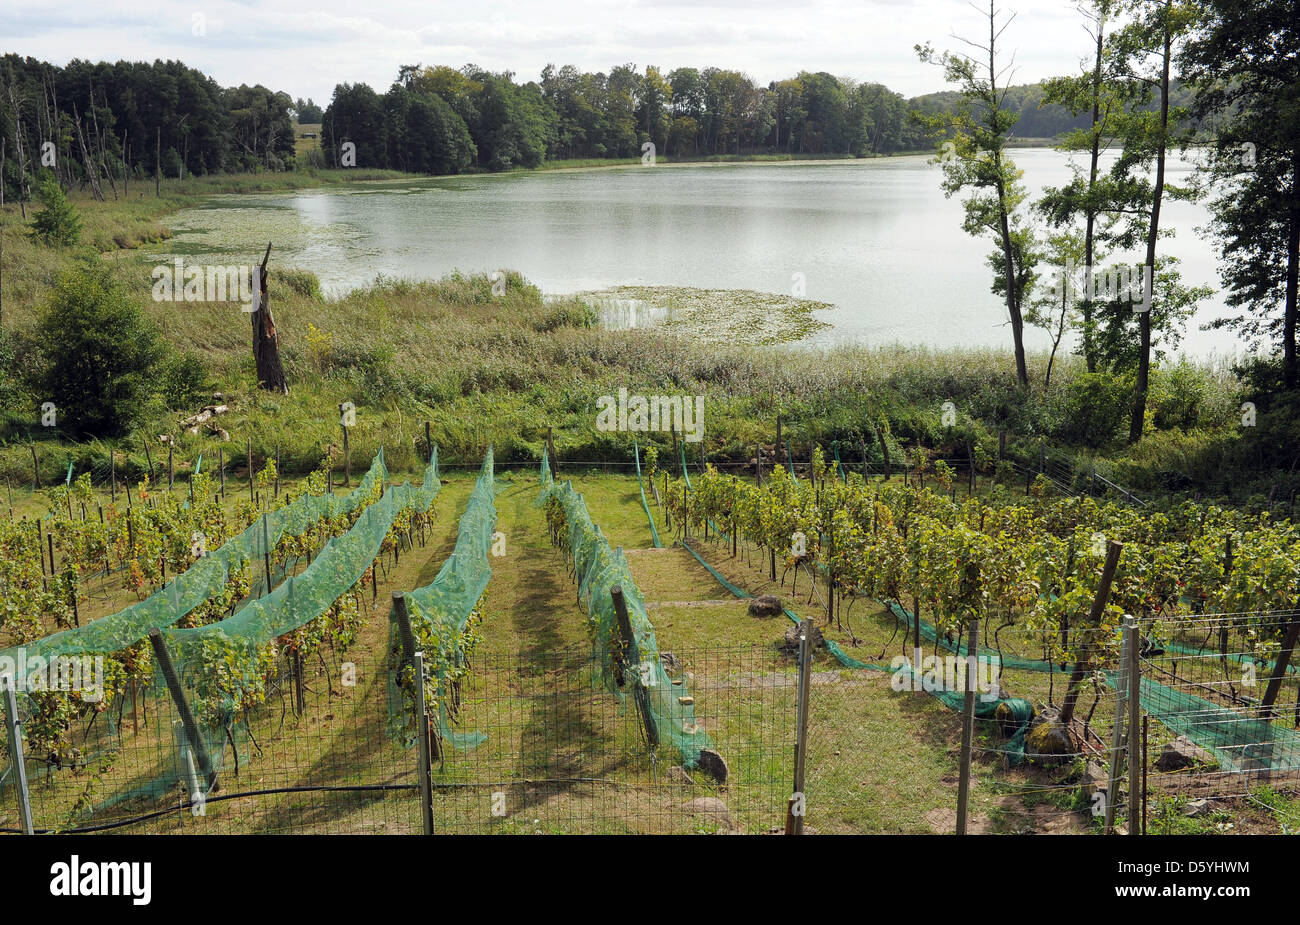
[(266, 342)]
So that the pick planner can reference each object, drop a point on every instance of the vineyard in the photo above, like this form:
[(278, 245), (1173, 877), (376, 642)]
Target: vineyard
[(579, 677)]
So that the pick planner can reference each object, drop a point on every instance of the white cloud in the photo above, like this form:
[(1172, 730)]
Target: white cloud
[(305, 47)]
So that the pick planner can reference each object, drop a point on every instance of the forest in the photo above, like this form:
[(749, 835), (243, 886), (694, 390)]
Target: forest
[(169, 118)]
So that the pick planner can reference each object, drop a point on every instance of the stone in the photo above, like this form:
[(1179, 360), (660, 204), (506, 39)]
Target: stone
[(679, 775), (1048, 738), (790, 642), (1096, 779), (710, 806), (766, 605), (1196, 808), (714, 765), (1183, 753)]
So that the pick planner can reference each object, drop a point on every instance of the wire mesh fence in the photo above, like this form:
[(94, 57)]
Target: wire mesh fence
[(562, 754), (1225, 689)]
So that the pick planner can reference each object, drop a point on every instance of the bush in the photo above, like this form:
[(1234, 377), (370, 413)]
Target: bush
[(100, 355), (567, 315), (57, 223), (301, 282), (1092, 408), (183, 380)]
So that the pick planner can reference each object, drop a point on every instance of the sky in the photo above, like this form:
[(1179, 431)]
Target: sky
[(306, 47)]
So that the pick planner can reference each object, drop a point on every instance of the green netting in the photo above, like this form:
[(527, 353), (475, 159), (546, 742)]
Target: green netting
[(598, 568), (223, 667), (440, 615), (654, 533), (1240, 743), (206, 577)]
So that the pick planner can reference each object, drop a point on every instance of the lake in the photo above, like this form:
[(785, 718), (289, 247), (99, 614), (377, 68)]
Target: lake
[(876, 239)]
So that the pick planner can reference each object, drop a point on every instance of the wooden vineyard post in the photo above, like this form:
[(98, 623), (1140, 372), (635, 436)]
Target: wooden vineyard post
[(428, 443), (632, 661), (266, 553), (796, 809), (250, 468), (968, 723), (221, 467), (171, 465), (347, 446), (277, 471), (14, 726), (1113, 551), (112, 475), (550, 451), (266, 342), (168, 670), (1268, 709), (36, 470)]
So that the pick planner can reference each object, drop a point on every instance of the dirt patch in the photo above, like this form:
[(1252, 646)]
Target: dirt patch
[(943, 821)]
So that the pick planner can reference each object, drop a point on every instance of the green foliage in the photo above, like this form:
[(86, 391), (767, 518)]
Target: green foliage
[(58, 223), (1092, 408), (100, 354), (183, 380)]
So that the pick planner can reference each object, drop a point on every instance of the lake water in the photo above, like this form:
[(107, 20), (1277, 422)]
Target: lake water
[(875, 238)]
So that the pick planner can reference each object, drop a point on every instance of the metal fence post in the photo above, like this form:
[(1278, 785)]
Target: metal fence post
[(798, 805), (1135, 757), (14, 725), (1117, 735), (968, 723), (425, 763), (182, 707)]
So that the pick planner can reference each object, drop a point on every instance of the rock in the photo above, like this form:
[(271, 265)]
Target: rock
[(714, 765), (672, 664), (1196, 808), (791, 640), (1048, 738), (1183, 753), (710, 806), (766, 605), (1096, 779), (679, 775)]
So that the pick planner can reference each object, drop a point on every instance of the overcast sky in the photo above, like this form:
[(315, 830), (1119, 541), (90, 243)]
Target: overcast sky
[(305, 47)]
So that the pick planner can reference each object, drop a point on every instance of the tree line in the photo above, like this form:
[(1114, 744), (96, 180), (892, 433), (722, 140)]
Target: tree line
[(101, 124), (110, 123)]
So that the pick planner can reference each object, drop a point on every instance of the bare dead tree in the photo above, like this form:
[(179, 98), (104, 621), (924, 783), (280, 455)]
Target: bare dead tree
[(266, 342)]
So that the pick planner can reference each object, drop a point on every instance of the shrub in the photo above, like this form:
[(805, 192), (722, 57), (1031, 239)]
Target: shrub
[(1092, 407), (58, 223), (183, 380), (99, 354)]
